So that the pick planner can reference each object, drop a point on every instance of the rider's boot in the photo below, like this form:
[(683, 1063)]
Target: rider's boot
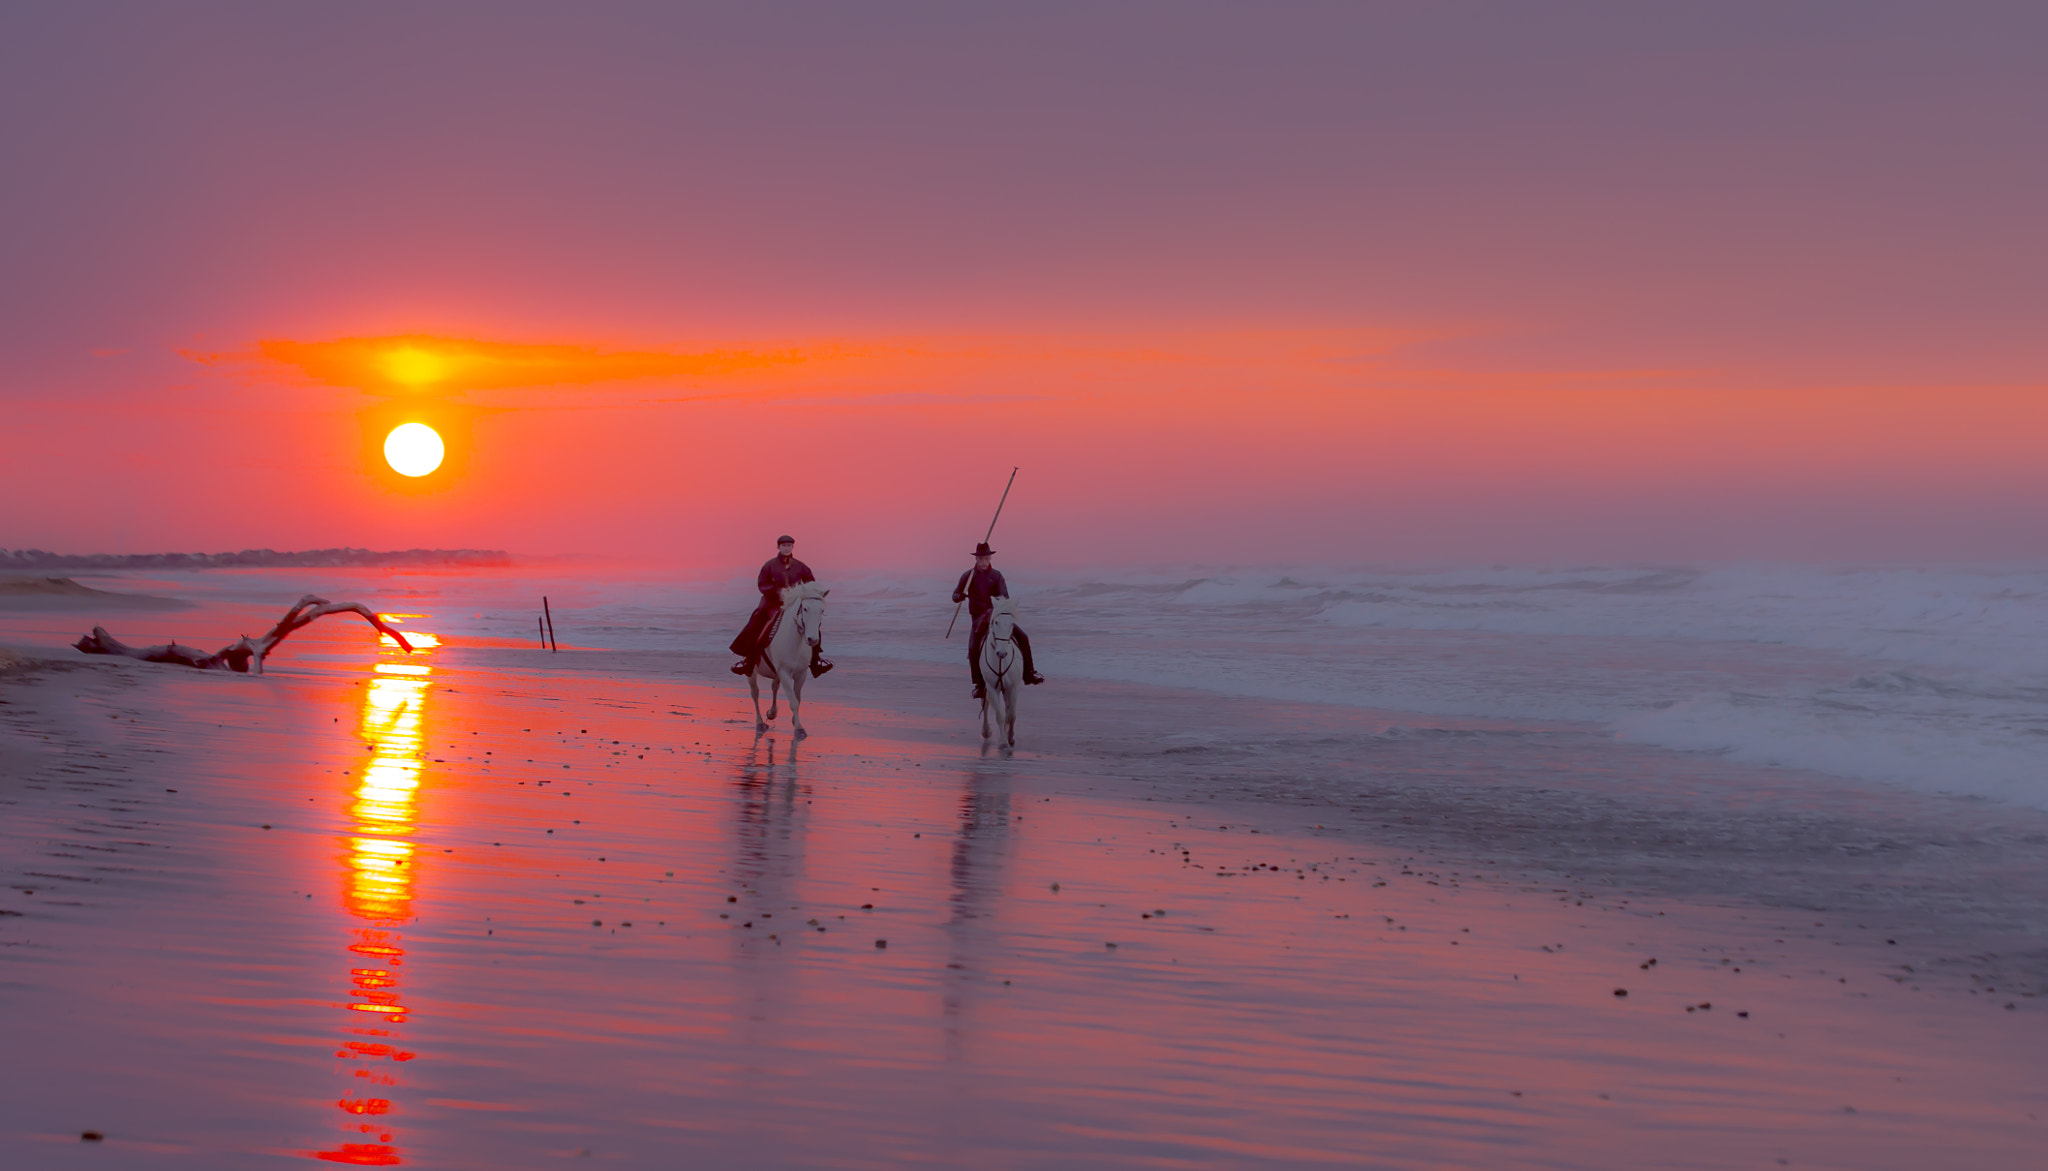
[(743, 667), (819, 663), (1031, 674), (980, 691)]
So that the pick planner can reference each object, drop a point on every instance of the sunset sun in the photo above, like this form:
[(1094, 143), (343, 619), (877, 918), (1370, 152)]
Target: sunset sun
[(413, 449)]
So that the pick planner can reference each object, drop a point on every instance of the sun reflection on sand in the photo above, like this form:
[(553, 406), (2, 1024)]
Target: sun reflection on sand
[(377, 887), (981, 851)]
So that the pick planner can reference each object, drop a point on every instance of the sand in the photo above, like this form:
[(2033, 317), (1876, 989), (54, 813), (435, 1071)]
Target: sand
[(485, 907), (62, 593)]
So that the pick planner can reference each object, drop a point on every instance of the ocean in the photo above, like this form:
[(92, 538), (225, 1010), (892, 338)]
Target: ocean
[(1928, 678)]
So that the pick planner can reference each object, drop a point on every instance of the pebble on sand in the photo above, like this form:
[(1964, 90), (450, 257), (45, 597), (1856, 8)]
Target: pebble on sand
[(1621, 992)]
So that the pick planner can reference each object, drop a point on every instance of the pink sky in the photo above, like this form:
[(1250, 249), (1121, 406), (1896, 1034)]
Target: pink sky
[(1337, 283)]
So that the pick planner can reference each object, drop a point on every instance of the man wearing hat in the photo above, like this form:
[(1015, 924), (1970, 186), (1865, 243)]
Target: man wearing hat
[(782, 571), (977, 586)]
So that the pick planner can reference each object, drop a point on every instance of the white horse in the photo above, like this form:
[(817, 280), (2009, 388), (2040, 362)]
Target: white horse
[(788, 657), (1002, 671)]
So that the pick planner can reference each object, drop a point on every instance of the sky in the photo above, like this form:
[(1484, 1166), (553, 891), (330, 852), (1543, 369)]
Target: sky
[(1347, 283)]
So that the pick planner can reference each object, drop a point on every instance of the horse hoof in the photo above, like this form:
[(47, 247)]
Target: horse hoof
[(759, 727), (801, 734)]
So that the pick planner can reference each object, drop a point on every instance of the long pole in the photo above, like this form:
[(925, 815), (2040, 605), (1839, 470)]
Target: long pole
[(985, 540), (551, 623)]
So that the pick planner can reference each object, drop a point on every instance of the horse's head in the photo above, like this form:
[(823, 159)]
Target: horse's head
[(1002, 617), (806, 604)]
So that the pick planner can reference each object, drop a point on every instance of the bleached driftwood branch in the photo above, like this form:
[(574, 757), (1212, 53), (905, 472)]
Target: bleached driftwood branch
[(244, 654)]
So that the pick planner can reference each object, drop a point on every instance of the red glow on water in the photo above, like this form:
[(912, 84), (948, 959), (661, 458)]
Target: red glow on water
[(362, 1155)]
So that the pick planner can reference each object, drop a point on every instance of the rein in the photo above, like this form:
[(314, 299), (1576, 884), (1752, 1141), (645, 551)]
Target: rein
[(1006, 660), (802, 631)]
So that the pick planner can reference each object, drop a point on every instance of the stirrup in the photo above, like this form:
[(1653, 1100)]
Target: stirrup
[(980, 692), (743, 667), (1034, 677), (821, 666)]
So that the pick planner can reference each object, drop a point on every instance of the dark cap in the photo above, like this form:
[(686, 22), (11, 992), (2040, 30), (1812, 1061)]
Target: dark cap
[(785, 539), (982, 550)]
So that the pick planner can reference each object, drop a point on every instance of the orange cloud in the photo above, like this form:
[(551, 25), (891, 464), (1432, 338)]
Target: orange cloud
[(411, 366), (425, 364)]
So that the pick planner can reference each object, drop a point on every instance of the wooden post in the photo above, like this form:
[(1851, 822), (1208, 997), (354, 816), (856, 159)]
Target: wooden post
[(552, 644)]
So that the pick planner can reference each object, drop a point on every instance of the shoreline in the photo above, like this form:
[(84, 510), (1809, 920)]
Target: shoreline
[(1958, 877)]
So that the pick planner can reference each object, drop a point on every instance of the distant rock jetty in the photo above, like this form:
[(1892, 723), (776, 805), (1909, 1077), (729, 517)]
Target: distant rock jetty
[(252, 558)]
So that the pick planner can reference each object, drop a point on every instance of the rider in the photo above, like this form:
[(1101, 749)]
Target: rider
[(977, 586), (782, 571)]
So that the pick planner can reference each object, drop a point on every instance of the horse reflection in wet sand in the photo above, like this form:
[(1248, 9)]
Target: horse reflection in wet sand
[(788, 657), (1002, 674)]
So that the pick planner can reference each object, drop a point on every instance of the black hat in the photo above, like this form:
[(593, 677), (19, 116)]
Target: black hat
[(982, 550), (785, 539)]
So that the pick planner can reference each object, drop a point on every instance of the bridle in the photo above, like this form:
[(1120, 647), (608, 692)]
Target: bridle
[(1008, 659), (802, 628)]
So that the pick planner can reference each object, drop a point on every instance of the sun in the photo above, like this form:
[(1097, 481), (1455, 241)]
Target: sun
[(413, 449)]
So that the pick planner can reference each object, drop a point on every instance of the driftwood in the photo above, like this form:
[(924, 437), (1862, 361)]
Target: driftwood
[(245, 654)]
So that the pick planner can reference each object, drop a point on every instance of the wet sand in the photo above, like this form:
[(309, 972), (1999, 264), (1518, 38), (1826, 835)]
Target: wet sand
[(484, 907)]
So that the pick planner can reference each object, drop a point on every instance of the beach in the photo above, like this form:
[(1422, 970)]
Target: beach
[(1529, 518), (488, 905)]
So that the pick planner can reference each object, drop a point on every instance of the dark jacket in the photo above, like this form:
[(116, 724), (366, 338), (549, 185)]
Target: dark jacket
[(776, 577), (978, 586)]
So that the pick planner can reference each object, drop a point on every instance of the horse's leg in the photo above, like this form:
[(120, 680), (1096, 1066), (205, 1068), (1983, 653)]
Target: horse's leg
[(754, 685), (1005, 698), (796, 699), (1010, 691), (986, 690), (774, 695)]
